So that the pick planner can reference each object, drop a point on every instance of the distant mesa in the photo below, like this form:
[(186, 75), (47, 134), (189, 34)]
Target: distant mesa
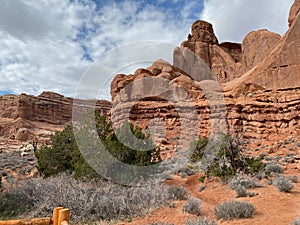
[(26, 116)]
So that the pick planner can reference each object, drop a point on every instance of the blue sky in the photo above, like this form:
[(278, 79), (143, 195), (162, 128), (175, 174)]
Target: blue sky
[(48, 45)]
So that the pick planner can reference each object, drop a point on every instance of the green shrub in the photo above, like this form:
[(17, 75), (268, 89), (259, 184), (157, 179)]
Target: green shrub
[(14, 203), (177, 193), (198, 148), (234, 209), (64, 154), (56, 159), (192, 206), (223, 158)]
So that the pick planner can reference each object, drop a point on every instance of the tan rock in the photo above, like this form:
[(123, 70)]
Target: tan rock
[(224, 60), (26, 116), (257, 45), (295, 9), (142, 71)]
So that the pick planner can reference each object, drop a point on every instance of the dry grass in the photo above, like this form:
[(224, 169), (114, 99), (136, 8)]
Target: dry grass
[(88, 202)]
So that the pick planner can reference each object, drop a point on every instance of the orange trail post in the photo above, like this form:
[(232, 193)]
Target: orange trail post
[(55, 215), (64, 217)]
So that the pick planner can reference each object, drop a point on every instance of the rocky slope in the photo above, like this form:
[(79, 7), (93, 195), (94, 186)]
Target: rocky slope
[(25, 117), (250, 89)]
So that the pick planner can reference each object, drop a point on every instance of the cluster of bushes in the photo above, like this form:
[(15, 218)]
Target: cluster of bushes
[(223, 158), (228, 210), (88, 201), (240, 183), (65, 156)]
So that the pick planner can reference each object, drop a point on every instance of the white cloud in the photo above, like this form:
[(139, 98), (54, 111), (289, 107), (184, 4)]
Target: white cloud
[(234, 19), (47, 45)]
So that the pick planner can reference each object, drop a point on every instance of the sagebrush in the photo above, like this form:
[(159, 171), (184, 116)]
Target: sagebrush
[(201, 221), (283, 184), (177, 193), (92, 201), (234, 209), (192, 206)]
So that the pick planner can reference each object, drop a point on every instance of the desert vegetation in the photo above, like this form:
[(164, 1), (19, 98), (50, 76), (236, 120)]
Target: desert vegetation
[(177, 193), (192, 206), (283, 184), (88, 201), (223, 157), (234, 209), (65, 156)]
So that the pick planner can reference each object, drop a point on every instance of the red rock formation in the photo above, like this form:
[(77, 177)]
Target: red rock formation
[(295, 9), (224, 60), (26, 116), (259, 97), (257, 45)]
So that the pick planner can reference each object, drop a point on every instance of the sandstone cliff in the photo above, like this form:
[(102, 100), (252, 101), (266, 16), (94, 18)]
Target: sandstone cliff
[(25, 116), (250, 89)]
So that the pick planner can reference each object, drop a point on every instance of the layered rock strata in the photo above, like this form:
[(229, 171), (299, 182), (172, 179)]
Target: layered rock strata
[(250, 89)]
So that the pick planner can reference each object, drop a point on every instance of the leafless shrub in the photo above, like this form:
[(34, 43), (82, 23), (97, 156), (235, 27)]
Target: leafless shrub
[(177, 193), (100, 200), (283, 184), (241, 183), (245, 181), (192, 206), (274, 168)]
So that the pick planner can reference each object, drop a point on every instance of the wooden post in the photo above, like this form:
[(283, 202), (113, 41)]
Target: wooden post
[(64, 217), (55, 215)]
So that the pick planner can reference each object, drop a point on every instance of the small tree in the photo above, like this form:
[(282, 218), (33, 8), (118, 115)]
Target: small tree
[(223, 158), (64, 154), (58, 158)]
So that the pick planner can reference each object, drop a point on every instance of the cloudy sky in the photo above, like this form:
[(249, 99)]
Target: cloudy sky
[(49, 44)]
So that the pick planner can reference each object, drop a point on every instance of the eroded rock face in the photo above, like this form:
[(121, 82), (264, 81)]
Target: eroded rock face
[(25, 116), (259, 94), (257, 45), (224, 60), (279, 70), (295, 9)]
